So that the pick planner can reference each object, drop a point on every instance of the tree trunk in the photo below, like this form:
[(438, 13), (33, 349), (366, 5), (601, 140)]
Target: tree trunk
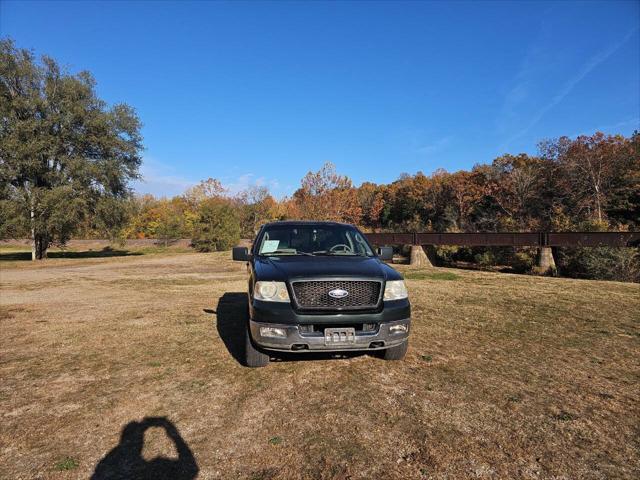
[(44, 245), (34, 248), (39, 248), (34, 245)]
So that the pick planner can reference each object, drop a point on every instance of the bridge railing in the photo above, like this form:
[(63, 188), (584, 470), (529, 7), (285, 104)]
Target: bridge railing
[(516, 239)]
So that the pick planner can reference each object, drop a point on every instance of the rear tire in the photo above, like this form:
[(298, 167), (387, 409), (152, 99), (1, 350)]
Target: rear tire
[(253, 357), (396, 353)]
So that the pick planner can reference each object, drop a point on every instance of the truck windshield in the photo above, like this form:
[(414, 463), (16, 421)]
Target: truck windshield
[(313, 240)]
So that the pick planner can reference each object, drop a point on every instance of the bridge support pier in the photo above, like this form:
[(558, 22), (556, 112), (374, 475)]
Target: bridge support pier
[(419, 258), (546, 263)]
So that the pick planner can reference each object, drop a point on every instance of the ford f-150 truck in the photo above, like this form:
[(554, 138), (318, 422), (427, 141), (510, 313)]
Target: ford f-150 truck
[(319, 286)]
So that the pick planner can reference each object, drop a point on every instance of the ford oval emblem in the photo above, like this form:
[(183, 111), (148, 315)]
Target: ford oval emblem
[(338, 293)]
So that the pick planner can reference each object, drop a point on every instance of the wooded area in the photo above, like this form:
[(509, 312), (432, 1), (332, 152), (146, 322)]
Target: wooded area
[(591, 183), (586, 184)]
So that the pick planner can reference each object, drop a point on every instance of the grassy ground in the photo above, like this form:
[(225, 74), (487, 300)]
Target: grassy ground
[(109, 362)]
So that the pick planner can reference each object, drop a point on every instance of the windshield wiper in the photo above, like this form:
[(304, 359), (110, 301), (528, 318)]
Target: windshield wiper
[(346, 254), (286, 252)]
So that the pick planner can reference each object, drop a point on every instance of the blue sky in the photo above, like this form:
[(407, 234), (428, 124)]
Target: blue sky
[(263, 92)]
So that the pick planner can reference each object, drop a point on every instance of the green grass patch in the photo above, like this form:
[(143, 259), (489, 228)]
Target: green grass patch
[(431, 276), (67, 463)]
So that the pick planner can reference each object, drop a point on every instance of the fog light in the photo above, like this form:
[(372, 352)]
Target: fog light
[(398, 328), (273, 332)]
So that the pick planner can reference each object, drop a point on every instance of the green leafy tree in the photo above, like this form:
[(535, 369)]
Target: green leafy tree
[(62, 149), (111, 215), (217, 227)]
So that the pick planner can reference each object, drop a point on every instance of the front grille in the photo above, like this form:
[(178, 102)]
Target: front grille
[(314, 294)]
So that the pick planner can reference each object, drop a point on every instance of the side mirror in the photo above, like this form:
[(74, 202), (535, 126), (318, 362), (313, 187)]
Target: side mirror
[(240, 254), (385, 253)]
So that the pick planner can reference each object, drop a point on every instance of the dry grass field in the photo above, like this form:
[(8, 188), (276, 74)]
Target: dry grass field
[(121, 364)]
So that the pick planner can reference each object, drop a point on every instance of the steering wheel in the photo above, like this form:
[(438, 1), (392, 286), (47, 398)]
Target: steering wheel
[(343, 247)]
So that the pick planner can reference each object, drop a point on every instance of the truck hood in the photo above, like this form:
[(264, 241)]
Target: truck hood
[(292, 267)]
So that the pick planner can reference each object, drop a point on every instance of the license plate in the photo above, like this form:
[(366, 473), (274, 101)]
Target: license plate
[(339, 336)]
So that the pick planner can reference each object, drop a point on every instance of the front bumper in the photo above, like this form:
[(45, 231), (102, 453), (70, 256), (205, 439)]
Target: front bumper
[(297, 341), (285, 314)]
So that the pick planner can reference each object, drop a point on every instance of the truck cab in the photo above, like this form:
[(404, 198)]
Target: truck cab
[(320, 286)]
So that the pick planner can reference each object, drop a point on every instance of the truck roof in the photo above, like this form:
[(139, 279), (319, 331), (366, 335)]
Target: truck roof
[(305, 222)]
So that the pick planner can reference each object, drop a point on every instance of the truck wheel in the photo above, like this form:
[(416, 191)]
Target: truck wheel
[(396, 353), (252, 356)]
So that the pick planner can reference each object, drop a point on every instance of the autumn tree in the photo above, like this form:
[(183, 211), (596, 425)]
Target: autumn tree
[(62, 149), (257, 207), (514, 183), (623, 203), (326, 195), (411, 203), (288, 209), (466, 192), (371, 200), (594, 167), (206, 189)]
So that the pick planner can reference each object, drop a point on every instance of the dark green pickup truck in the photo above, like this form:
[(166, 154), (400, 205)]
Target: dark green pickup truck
[(319, 286)]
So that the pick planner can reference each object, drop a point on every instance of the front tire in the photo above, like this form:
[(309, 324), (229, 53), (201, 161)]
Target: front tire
[(253, 357), (396, 353)]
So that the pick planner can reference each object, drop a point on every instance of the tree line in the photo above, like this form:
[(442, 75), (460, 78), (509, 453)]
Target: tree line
[(590, 183)]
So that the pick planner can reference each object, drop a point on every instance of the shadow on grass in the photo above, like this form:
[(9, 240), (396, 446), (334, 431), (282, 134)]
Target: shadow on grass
[(126, 460), (231, 321), (232, 316), (105, 252)]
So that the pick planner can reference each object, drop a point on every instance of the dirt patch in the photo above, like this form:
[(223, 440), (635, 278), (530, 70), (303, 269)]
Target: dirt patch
[(133, 361)]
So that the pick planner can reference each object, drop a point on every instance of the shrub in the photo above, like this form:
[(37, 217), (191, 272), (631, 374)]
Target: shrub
[(600, 263), (217, 227), (524, 260), (485, 259), (446, 254)]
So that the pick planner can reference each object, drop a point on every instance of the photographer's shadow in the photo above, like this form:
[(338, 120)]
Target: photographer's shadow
[(125, 461)]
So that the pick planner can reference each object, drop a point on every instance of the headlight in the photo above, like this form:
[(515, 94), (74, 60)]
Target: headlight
[(271, 292), (273, 332), (395, 290)]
